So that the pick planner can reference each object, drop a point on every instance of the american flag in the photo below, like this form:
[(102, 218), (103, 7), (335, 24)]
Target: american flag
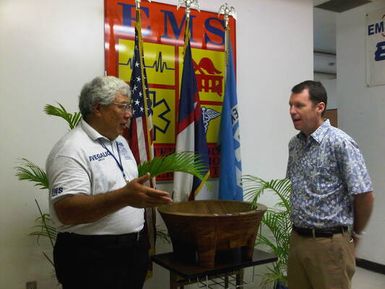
[(141, 132)]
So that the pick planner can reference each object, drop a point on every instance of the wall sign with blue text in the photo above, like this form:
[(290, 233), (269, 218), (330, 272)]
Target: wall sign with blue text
[(163, 31), (375, 42)]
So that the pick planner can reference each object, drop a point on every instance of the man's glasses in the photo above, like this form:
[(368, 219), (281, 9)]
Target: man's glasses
[(124, 106)]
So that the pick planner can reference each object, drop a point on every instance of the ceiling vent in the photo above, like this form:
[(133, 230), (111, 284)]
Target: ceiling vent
[(342, 5)]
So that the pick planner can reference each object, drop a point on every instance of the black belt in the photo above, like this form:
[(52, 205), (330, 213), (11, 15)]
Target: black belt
[(101, 239), (320, 232)]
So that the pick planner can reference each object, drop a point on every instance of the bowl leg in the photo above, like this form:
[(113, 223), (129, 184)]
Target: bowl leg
[(248, 250), (206, 252), (206, 257), (184, 252)]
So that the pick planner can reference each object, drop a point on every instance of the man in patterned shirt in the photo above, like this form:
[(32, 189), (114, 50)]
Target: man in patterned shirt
[(332, 195)]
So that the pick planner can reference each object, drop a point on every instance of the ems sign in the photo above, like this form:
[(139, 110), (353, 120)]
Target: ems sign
[(163, 45), (375, 42)]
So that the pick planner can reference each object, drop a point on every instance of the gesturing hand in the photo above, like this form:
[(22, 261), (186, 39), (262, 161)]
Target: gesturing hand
[(142, 196)]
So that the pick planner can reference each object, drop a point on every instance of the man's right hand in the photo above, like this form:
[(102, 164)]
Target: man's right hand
[(81, 209), (141, 196)]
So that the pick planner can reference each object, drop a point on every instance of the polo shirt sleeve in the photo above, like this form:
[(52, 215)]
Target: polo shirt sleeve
[(353, 168), (67, 176)]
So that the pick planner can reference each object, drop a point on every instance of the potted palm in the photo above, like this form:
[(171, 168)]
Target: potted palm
[(187, 162), (276, 225)]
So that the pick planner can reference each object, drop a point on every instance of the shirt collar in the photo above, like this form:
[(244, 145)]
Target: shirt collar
[(319, 133), (91, 132)]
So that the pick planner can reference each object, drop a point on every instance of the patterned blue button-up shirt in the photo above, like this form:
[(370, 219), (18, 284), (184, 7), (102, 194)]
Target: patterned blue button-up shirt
[(326, 170)]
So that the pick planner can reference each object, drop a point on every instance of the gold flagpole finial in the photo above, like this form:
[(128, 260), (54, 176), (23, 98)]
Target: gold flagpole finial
[(227, 11), (188, 4)]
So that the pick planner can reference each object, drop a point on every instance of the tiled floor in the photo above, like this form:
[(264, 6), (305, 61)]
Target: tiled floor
[(364, 279)]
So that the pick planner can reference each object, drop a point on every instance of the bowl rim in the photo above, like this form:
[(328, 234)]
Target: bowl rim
[(260, 208)]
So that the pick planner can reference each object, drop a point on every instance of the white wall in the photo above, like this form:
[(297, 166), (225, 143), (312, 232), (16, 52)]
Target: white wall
[(50, 48), (361, 114), (330, 86)]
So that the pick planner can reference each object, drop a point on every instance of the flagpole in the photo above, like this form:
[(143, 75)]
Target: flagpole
[(230, 187), (145, 141), (227, 11), (188, 4), (186, 31), (144, 88), (191, 135)]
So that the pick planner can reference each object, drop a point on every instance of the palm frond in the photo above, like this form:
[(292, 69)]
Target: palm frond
[(30, 172), (43, 227), (46, 229), (275, 274), (186, 162), (163, 235), (71, 118), (278, 223), (276, 220), (265, 241), (50, 260), (254, 187)]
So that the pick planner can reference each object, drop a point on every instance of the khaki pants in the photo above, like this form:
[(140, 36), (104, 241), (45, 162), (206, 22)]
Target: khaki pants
[(321, 263)]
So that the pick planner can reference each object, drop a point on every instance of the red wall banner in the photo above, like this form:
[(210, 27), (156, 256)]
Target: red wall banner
[(163, 32)]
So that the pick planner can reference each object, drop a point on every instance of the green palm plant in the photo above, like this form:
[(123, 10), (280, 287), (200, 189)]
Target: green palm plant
[(187, 162), (28, 171), (44, 228), (277, 221), (71, 118)]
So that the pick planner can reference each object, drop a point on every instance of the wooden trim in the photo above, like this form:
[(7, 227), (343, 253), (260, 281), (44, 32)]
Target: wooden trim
[(332, 115)]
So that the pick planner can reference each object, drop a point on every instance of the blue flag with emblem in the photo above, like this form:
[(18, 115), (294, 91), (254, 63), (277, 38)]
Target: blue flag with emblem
[(230, 187)]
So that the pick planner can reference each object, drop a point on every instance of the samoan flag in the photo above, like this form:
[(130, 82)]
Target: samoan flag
[(191, 135), (230, 187)]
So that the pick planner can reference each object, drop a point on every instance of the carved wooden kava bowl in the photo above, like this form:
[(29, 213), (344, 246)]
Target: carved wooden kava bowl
[(200, 229)]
